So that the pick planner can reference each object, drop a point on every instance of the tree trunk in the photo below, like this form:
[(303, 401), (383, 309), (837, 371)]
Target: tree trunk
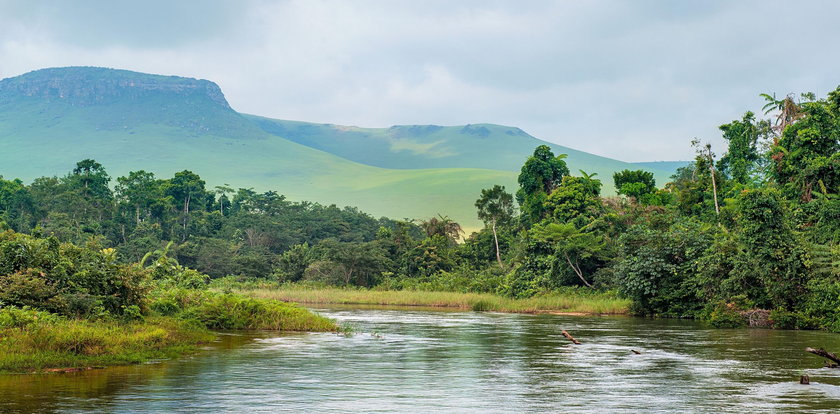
[(496, 239), (186, 215), (577, 271), (714, 183), (570, 337), (825, 354)]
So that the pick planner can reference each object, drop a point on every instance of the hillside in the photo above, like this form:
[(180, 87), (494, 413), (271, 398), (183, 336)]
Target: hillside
[(485, 146), (51, 118)]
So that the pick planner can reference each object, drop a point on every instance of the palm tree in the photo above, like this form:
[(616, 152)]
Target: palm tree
[(788, 110)]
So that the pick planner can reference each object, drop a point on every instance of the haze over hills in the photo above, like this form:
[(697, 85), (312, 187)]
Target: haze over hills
[(52, 118)]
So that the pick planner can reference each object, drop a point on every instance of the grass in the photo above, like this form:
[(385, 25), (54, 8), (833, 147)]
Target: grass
[(231, 311), (76, 343), (32, 340), (579, 303)]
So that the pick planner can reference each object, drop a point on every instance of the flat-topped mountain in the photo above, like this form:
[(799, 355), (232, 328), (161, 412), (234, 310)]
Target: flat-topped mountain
[(85, 86), (52, 118)]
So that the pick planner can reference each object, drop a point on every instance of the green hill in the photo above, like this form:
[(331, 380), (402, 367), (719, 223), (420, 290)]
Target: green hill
[(485, 146), (51, 118)]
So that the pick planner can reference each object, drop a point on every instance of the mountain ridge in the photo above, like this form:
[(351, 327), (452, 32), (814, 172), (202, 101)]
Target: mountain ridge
[(51, 118)]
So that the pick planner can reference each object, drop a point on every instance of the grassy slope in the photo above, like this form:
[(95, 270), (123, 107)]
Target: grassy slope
[(484, 146), (36, 141)]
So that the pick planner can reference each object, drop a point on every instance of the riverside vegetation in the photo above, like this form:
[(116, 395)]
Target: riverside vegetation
[(750, 237), (65, 305)]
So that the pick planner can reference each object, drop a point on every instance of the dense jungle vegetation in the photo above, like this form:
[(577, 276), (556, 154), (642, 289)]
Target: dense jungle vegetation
[(751, 236)]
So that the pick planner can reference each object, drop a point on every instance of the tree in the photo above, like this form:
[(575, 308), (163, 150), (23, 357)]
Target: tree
[(807, 154), (573, 244), (16, 207), (788, 110), (222, 191), (540, 175), (93, 179), (772, 251), (495, 206), (636, 183), (361, 263), (184, 187), (139, 189), (576, 200), (442, 226), (89, 181), (742, 154), (705, 153)]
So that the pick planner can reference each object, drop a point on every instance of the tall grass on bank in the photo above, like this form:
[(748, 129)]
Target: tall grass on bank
[(217, 310), (33, 340), (570, 301)]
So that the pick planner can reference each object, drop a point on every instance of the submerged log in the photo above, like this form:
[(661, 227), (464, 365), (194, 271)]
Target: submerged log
[(635, 352), (570, 337), (825, 354)]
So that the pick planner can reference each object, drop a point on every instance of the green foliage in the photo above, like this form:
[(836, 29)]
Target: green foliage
[(773, 252), (807, 155), (292, 264), (26, 317), (575, 200), (741, 159), (654, 268), (495, 206), (65, 278), (724, 315), (636, 184), (540, 175)]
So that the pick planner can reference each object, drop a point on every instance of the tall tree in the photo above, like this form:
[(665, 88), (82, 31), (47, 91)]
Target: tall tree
[(705, 153), (807, 155), (540, 175), (495, 206), (184, 187), (742, 154), (139, 190)]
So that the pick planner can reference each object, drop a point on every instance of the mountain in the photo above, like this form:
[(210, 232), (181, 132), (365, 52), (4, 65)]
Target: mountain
[(52, 118), (485, 146)]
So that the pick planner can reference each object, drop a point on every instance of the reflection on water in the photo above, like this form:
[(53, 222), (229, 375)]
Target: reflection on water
[(426, 361)]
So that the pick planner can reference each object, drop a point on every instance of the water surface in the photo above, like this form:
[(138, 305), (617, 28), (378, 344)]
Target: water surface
[(432, 361)]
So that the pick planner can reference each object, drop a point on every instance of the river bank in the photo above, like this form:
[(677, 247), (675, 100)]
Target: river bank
[(33, 341), (572, 302)]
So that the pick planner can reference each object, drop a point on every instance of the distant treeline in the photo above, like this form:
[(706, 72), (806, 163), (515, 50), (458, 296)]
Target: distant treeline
[(751, 235)]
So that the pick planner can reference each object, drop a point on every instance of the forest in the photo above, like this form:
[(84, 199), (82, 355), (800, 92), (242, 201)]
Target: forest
[(748, 237)]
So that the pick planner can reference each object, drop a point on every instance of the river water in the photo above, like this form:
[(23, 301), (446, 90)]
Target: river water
[(432, 361)]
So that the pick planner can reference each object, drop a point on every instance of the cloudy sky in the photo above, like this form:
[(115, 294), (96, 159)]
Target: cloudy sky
[(633, 80)]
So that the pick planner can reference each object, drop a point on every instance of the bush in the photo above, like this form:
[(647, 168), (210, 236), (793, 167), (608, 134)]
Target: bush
[(25, 317), (65, 278), (724, 315)]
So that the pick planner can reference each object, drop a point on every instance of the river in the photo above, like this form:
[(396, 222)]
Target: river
[(414, 360)]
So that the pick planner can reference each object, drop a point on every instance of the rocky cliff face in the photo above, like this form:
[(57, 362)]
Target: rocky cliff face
[(87, 86)]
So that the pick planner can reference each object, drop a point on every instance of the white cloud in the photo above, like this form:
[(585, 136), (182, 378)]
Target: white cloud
[(629, 80)]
